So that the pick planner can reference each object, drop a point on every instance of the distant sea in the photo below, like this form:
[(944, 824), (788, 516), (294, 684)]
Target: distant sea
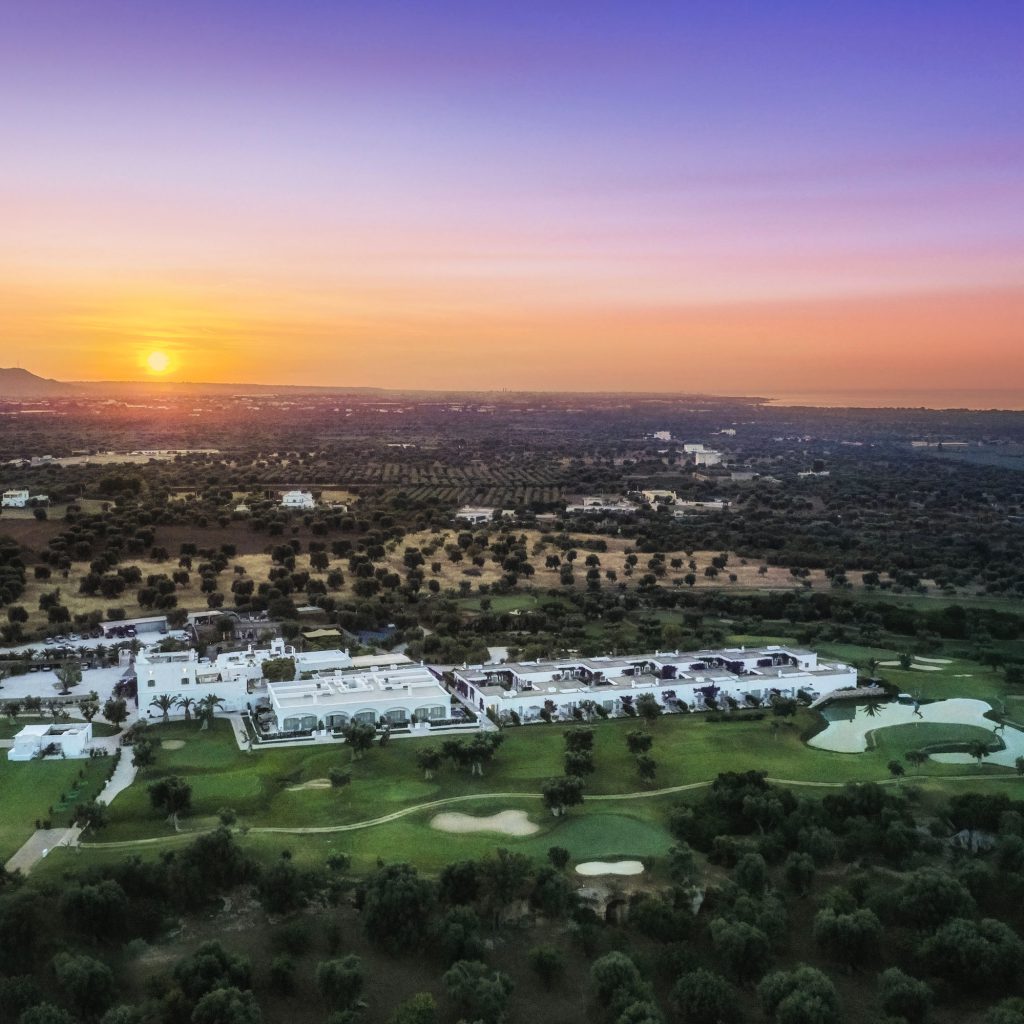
[(900, 399)]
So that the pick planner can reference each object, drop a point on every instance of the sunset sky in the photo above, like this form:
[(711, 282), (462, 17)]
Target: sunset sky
[(734, 197)]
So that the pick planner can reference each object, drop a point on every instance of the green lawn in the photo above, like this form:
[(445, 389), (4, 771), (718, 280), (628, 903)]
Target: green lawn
[(894, 741), (264, 787), (9, 729), (31, 791), (595, 831)]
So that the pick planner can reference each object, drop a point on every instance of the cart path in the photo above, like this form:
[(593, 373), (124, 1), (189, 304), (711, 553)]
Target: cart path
[(386, 819)]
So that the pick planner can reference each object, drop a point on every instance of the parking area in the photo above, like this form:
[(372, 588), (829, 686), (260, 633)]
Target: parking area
[(44, 683)]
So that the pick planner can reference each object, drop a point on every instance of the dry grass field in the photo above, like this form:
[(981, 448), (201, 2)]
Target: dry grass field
[(257, 564)]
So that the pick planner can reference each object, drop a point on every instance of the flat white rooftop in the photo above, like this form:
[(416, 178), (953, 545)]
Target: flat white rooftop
[(356, 688)]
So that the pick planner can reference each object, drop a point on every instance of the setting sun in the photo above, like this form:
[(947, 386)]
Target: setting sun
[(158, 362)]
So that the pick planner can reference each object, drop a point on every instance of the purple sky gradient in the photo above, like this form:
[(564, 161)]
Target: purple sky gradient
[(343, 167)]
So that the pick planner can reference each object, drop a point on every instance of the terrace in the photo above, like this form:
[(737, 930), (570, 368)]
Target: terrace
[(693, 678)]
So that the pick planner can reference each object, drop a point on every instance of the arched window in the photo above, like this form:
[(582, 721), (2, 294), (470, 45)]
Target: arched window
[(300, 723), (430, 713)]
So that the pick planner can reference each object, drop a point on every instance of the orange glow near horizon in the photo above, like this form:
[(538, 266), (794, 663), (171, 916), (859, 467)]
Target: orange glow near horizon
[(931, 340)]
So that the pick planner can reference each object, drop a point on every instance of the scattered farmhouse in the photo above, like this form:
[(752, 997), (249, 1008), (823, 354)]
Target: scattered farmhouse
[(610, 506), (655, 498), (51, 740), (297, 499), (707, 458), (700, 455), (15, 499), (689, 507), (131, 627), (478, 514), (22, 499), (697, 680)]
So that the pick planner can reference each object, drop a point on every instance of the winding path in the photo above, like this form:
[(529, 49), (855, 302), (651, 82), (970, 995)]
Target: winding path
[(386, 819)]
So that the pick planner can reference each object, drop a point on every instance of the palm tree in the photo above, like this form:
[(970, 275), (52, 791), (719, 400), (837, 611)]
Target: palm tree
[(207, 708), (978, 749), (186, 704), (164, 702)]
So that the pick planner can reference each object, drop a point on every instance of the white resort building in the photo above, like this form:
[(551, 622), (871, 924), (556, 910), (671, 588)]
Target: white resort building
[(700, 680), (183, 674), (234, 676), (51, 741), (327, 688), (400, 693)]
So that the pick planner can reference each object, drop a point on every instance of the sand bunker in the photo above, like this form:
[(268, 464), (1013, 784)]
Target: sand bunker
[(509, 823), (935, 661), (172, 744), (312, 784), (617, 867), (926, 668)]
